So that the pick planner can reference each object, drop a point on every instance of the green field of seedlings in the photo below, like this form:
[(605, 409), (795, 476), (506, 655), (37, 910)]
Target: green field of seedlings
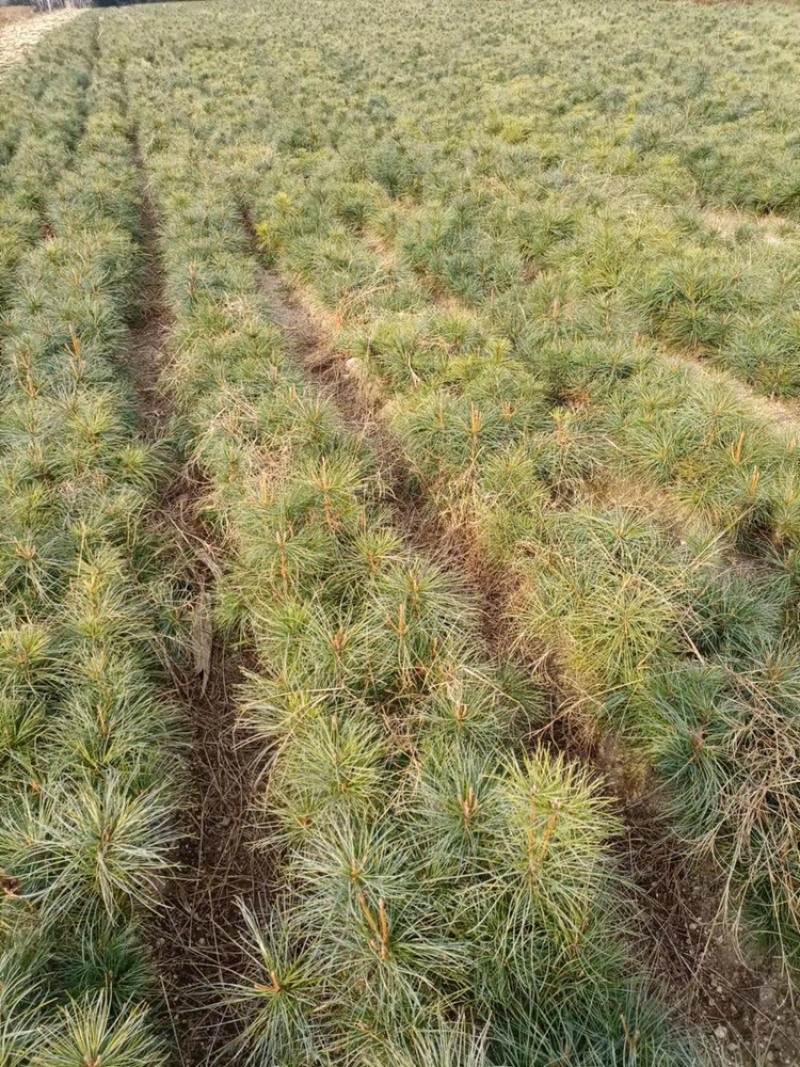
[(404, 400)]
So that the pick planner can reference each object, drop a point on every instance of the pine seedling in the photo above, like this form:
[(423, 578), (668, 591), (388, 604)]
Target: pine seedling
[(290, 417), (88, 1032), (27, 657), (329, 493), (346, 860), (279, 625), (567, 457), (278, 1001), (692, 304), (761, 351), (546, 869), (785, 510), (123, 729), (465, 704), (334, 767), (30, 565), (101, 608), (453, 792), (606, 627), (277, 707), (734, 612), (318, 647), (449, 436), (504, 510), (440, 1043), (415, 608), (80, 850), (335, 651), (93, 432), (657, 446), (141, 465), (20, 1015), (389, 964), (24, 505), (103, 958), (593, 1024), (684, 709), (21, 723), (725, 738), (398, 351), (93, 514), (373, 551), (283, 554)]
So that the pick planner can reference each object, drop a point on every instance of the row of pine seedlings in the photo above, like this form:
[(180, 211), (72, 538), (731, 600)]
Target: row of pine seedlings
[(44, 108), (85, 741), (646, 516), (440, 896)]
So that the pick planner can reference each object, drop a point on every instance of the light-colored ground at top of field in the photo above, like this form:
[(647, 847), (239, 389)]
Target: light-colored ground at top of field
[(15, 14), (21, 30)]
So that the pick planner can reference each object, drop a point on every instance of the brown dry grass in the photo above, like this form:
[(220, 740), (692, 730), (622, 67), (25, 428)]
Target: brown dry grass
[(21, 30), (10, 15)]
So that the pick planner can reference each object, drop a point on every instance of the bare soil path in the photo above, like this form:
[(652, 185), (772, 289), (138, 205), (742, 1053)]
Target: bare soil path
[(197, 943)]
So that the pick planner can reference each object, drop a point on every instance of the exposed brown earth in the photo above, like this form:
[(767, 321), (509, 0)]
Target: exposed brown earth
[(20, 33), (10, 15), (196, 939)]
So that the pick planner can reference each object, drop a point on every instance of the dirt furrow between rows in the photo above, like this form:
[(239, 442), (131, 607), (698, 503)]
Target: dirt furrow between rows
[(422, 528), (680, 935), (196, 945)]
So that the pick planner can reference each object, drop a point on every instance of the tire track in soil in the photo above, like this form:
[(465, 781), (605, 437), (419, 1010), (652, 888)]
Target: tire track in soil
[(746, 1010), (195, 937)]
